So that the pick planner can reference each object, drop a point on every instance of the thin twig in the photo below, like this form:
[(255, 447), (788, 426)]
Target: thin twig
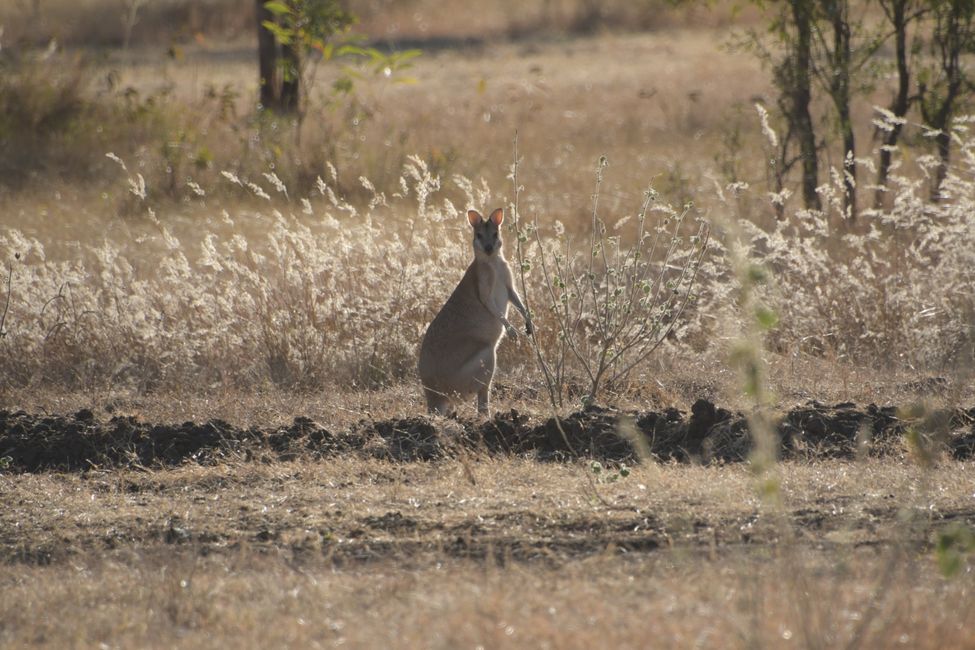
[(554, 402), (6, 307)]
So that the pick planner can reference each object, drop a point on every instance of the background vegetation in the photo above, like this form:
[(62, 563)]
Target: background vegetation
[(218, 230), (757, 204), (253, 244)]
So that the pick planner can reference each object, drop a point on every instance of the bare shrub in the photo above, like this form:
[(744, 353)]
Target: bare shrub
[(612, 303), (41, 101)]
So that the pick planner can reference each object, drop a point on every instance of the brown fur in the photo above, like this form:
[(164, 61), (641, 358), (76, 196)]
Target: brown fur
[(458, 353)]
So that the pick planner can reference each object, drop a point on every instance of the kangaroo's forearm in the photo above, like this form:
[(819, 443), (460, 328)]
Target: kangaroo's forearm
[(515, 300)]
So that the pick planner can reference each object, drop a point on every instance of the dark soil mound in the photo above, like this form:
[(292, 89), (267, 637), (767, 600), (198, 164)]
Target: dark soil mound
[(835, 431), (407, 439), (31, 443)]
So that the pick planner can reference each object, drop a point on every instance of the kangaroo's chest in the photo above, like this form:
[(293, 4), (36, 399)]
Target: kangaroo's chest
[(494, 291), (500, 296)]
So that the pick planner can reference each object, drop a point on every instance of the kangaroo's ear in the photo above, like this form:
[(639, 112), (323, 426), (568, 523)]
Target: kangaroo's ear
[(474, 217), (497, 217)]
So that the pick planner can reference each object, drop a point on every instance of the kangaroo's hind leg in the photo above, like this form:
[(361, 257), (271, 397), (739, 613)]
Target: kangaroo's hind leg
[(480, 369), (437, 402), (484, 400)]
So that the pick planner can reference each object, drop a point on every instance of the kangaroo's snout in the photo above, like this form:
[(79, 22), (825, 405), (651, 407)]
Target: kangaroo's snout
[(488, 248)]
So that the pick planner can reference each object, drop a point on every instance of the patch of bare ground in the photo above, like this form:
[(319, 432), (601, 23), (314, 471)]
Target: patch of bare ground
[(499, 552), (353, 510)]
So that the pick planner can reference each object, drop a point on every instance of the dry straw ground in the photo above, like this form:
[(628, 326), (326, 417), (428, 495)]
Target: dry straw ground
[(155, 285), (506, 553)]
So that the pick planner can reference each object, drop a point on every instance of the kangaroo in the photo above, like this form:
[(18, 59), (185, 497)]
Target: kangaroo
[(459, 349)]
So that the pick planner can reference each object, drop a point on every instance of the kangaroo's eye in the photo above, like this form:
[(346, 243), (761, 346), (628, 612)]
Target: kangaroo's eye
[(478, 235)]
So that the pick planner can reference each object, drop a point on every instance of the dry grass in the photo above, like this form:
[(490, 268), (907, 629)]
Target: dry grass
[(174, 305), (104, 23), (258, 601), (546, 87), (570, 102), (677, 381), (438, 22), (103, 301), (291, 296), (368, 554)]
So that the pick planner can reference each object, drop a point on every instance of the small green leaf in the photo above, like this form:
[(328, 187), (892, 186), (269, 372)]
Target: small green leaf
[(402, 57), (351, 49), (949, 563), (757, 274), (343, 85), (953, 545), (767, 318), (278, 8), (769, 488), (282, 35)]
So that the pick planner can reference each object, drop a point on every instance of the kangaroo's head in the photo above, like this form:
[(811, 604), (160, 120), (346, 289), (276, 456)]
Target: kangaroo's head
[(487, 236)]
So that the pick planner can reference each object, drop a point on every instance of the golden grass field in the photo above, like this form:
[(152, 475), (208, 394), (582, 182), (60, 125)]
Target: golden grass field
[(158, 287), (659, 122)]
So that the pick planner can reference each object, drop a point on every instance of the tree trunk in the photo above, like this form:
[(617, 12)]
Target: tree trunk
[(840, 92), (849, 165), (267, 59), (290, 84), (953, 36), (801, 99), (943, 141), (901, 103), (941, 121)]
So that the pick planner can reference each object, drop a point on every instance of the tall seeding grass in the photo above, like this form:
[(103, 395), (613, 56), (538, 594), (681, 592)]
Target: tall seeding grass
[(313, 292), (893, 290)]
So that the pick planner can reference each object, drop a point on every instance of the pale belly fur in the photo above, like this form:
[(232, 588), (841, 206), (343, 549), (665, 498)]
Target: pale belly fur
[(500, 299), (499, 295)]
